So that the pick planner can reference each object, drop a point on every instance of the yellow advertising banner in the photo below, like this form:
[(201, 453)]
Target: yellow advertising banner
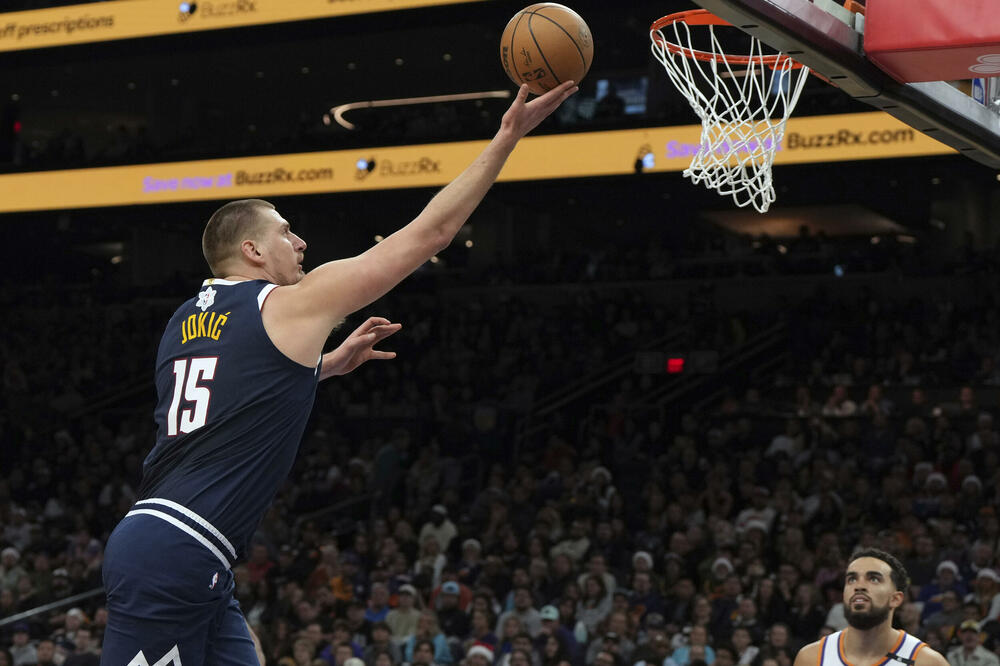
[(858, 136), (125, 19)]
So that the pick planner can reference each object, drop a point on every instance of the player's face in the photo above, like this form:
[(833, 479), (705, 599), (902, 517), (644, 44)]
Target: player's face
[(869, 593), (284, 250)]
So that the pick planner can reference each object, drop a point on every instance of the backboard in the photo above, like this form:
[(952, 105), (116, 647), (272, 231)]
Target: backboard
[(829, 40)]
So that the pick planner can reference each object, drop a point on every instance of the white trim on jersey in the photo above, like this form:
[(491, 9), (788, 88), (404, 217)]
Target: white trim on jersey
[(262, 296), (832, 646), (184, 528), (227, 283), (179, 508)]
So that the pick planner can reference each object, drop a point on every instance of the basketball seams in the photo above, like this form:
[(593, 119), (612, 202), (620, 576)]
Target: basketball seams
[(540, 51), (513, 34), (551, 20)]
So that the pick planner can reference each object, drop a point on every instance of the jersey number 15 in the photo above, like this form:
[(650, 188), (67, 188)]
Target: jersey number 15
[(187, 373)]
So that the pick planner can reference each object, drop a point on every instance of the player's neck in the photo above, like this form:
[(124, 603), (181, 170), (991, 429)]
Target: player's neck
[(867, 645)]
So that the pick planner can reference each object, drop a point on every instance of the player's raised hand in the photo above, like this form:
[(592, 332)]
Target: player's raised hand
[(524, 116), (358, 347)]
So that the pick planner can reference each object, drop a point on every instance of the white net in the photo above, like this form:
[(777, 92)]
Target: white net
[(743, 107)]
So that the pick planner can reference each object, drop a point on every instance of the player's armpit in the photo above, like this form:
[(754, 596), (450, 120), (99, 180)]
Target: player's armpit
[(299, 318), (808, 656)]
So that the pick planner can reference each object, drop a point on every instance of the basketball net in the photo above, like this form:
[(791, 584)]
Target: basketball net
[(743, 111)]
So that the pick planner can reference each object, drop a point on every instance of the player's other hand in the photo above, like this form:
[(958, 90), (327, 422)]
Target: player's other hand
[(524, 116), (358, 347)]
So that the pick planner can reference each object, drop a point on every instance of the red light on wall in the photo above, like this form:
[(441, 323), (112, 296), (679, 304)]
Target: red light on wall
[(675, 365), (17, 127)]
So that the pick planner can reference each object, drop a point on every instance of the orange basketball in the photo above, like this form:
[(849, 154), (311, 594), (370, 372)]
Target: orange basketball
[(544, 45)]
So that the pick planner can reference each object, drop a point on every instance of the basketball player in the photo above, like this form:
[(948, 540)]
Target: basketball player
[(874, 587), (236, 376)]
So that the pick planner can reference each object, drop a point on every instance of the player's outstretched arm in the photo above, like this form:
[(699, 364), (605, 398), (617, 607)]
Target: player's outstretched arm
[(358, 347), (309, 310)]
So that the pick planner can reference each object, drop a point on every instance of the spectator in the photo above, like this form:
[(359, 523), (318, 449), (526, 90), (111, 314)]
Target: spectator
[(839, 404), (303, 651), (46, 650), (970, 652), (576, 544), (553, 650), (402, 620), (777, 645), (87, 652), (525, 611), (358, 627), (595, 605), (453, 620), (597, 565), (745, 651), (677, 605), (471, 563), (384, 658), (378, 603), (697, 647), (725, 605), (381, 643), (23, 651), (428, 631), (618, 625), (481, 629), (72, 622), (423, 654), (511, 627), (947, 581), (259, 564), (806, 615), (430, 561), (479, 654), (922, 564), (440, 527), (519, 657), (11, 570), (645, 599), (654, 652), (449, 574), (986, 595), (746, 619), (725, 655)]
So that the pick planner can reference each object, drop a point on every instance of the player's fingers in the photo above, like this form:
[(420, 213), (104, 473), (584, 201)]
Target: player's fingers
[(371, 323), (382, 332), (522, 94), (382, 355)]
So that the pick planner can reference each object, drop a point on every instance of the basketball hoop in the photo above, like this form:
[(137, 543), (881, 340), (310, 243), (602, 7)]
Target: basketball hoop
[(743, 111)]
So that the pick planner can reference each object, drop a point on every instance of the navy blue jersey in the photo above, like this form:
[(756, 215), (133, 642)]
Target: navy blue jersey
[(230, 414)]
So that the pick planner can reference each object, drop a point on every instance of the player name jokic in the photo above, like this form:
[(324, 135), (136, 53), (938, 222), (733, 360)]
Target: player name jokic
[(203, 325)]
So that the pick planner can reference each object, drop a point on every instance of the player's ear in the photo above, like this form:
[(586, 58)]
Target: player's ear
[(251, 252)]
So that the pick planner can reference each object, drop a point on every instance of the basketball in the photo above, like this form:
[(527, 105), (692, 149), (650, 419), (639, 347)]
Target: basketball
[(544, 45)]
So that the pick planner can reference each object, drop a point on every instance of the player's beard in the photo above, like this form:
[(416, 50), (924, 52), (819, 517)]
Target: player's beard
[(866, 619)]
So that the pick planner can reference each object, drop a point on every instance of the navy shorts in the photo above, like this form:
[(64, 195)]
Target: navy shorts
[(170, 599)]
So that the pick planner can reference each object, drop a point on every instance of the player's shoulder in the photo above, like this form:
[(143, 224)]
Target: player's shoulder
[(809, 654), (928, 656)]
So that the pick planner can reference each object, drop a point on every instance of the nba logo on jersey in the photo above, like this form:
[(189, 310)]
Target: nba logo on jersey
[(215, 579), (205, 299)]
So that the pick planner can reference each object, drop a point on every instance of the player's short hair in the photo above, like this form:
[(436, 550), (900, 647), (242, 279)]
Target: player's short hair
[(228, 226), (898, 574)]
